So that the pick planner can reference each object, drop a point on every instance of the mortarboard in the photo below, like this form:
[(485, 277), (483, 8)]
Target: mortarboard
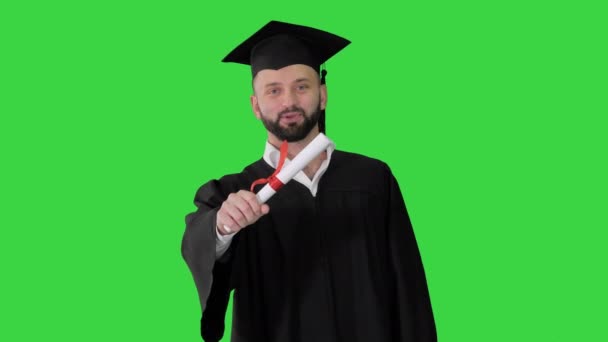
[(279, 44)]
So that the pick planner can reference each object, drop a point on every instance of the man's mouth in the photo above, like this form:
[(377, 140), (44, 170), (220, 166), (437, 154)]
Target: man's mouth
[(291, 117)]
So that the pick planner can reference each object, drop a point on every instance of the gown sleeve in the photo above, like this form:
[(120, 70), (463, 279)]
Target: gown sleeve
[(211, 276), (414, 310)]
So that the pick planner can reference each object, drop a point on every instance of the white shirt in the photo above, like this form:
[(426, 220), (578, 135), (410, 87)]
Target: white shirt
[(271, 157)]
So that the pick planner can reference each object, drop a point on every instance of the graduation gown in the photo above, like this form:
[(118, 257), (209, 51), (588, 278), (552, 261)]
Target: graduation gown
[(341, 266)]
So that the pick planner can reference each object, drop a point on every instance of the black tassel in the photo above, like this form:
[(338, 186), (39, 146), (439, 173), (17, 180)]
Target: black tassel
[(322, 118)]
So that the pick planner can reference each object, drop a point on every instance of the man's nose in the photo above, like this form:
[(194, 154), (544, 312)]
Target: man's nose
[(289, 99)]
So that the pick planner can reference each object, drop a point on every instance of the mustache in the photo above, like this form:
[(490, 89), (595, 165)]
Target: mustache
[(291, 110)]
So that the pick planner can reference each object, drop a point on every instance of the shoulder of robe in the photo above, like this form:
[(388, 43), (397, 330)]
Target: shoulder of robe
[(360, 163)]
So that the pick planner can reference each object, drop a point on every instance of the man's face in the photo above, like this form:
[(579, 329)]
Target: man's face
[(289, 101)]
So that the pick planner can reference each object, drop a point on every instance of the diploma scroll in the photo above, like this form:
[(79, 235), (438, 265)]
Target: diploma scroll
[(310, 152)]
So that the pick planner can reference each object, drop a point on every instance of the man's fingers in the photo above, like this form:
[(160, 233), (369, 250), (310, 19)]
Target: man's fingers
[(238, 202), (223, 219), (254, 204), (265, 209), (235, 214), (252, 200), (246, 210), (240, 210)]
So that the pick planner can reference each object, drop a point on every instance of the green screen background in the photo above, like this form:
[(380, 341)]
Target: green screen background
[(490, 114)]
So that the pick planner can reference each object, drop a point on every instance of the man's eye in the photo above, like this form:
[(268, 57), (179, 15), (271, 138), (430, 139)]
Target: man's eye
[(302, 87), (273, 91)]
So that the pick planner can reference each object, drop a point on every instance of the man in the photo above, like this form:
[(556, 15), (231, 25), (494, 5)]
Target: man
[(332, 255)]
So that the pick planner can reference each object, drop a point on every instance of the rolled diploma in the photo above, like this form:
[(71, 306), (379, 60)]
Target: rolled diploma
[(310, 152)]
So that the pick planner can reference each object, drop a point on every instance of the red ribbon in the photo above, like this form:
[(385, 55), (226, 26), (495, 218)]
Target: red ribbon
[(273, 181)]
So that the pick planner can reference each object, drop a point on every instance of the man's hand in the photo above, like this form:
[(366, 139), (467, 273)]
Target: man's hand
[(238, 211)]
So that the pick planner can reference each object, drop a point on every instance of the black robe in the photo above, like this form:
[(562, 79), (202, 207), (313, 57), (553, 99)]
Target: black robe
[(341, 266)]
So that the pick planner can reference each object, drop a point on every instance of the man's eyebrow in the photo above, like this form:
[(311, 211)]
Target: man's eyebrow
[(272, 84)]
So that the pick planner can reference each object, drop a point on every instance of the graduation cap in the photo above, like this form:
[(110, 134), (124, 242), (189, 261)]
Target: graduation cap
[(279, 44)]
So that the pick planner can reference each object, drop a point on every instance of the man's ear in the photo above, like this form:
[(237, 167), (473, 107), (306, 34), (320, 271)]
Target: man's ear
[(323, 95), (255, 106)]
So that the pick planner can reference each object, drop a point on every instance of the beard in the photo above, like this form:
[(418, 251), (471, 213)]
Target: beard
[(294, 131)]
